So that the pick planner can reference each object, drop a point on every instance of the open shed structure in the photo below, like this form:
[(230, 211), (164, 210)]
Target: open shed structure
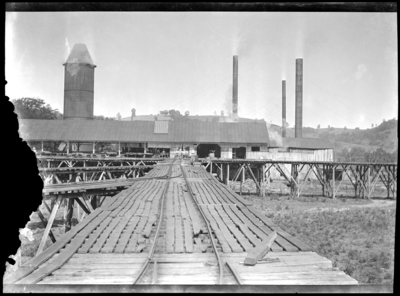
[(224, 139)]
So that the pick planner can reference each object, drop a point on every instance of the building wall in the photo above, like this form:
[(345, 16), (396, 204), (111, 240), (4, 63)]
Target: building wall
[(293, 155), (226, 151)]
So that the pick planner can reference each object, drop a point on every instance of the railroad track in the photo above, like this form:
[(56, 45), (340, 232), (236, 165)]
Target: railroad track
[(150, 275)]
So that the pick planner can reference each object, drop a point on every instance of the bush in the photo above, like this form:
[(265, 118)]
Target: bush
[(370, 275)]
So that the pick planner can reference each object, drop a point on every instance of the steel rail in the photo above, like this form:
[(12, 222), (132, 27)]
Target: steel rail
[(152, 249), (208, 227)]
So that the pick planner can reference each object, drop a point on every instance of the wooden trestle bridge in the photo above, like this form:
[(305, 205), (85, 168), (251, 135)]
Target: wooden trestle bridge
[(178, 225), (330, 175)]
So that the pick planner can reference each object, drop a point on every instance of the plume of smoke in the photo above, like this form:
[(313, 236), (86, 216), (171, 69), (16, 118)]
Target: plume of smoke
[(274, 136), (67, 45), (228, 101)]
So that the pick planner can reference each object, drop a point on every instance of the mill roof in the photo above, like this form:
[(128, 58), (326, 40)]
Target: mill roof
[(143, 131)]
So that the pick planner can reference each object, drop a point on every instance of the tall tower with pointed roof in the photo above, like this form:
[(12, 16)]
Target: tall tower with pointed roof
[(79, 84)]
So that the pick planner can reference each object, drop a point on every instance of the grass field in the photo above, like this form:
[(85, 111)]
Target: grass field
[(356, 235)]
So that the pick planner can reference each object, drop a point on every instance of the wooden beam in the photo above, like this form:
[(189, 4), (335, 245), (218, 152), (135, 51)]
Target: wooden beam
[(68, 213), (333, 182), (47, 206), (154, 278), (235, 273), (49, 224), (81, 204), (227, 175), (372, 187), (254, 178), (260, 251), (44, 221)]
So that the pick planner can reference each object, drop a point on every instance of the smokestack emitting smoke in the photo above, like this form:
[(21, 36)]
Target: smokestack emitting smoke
[(235, 87), (274, 136), (299, 99), (283, 108)]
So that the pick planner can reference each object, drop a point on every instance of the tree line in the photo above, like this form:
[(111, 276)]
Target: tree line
[(359, 154), (36, 108)]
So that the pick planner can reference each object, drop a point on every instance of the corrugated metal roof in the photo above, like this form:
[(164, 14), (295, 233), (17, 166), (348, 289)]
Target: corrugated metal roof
[(161, 127), (304, 143), (143, 131)]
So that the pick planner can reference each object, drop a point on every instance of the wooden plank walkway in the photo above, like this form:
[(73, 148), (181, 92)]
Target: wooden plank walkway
[(109, 245), (300, 268)]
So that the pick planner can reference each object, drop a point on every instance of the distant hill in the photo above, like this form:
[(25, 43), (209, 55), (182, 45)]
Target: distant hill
[(383, 136)]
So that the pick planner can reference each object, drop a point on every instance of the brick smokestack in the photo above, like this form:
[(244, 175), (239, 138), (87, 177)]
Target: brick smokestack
[(283, 108), (235, 87), (299, 99)]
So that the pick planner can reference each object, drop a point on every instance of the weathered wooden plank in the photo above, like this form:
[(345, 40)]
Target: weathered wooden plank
[(94, 236), (178, 240), (260, 234), (170, 223), (279, 240), (260, 251), (65, 254), (140, 247), (243, 227), (114, 236), (329, 277), (53, 249), (221, 238), (224, 195), (296, 242), (124, 204), (126, 235), (73, 272), (244, 243), (225, 231), (154, 209), (105, 280), (178, 235), (199, 195), (132, 244), (194, 217), (188, 236), (238, 198), (209, 193), (103, 237)]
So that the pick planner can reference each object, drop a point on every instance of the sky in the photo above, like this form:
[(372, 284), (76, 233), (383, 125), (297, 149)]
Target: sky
[(153, 61)]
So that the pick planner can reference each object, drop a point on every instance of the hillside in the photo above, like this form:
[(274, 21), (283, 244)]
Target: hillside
[(383, 136)]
